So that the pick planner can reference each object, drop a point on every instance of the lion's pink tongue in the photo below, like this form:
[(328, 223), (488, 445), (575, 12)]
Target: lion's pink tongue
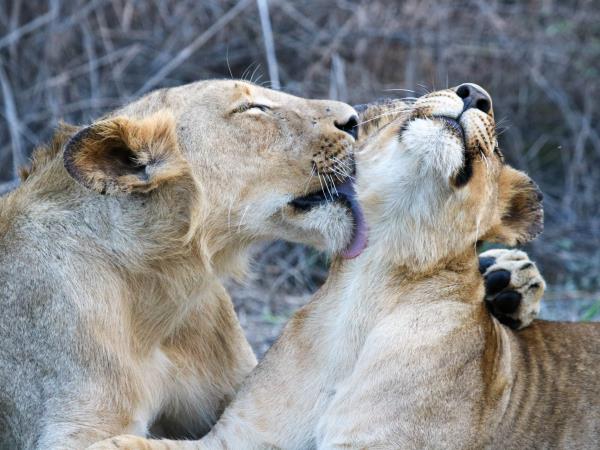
[(359, 239)]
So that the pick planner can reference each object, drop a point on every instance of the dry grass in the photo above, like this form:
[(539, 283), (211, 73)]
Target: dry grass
[(76, 60)]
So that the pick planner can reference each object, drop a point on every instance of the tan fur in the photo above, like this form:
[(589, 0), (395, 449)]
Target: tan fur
[(396, 350), (114, 313)]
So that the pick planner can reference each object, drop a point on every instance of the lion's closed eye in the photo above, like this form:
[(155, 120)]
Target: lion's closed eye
[(251, 106)]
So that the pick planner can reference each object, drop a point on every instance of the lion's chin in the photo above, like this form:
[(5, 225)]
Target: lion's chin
[(336, 217)]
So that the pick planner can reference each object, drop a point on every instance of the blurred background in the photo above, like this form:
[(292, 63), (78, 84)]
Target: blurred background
[(75, 60)]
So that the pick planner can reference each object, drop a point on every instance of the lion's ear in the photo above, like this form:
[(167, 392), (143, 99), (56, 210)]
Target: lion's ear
[(520, 211), (126, 155)]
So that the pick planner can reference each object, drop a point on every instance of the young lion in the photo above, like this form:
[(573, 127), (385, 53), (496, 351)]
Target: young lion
[(396, 350)]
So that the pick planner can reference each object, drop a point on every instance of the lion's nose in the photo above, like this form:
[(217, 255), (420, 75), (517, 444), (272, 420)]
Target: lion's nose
[(350, 126), (474, 96)]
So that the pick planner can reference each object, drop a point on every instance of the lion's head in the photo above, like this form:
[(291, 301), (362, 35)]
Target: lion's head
[(264, 164), (433, 182)]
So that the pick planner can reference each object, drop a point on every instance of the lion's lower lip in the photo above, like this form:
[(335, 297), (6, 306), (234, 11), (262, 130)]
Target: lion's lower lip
[(315, 199), (454, 125), (310, 201), (346, 194)]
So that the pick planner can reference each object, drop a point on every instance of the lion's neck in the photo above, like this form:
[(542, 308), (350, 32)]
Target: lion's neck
[(367, 287), (371, 273), (361, 293)]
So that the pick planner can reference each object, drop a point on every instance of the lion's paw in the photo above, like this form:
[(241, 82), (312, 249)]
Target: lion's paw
[(513, 286)]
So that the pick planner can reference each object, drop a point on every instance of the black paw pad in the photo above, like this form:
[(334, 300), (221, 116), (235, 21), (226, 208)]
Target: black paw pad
[(515, 324), (503, 318), (485, 262), (496, 281), (507, 302)]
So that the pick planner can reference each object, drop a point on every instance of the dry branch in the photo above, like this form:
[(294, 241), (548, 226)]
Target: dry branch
[(265, 22), (13, 123), (188, 51)]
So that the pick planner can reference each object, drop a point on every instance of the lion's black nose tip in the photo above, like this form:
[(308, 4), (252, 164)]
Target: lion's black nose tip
[(474, 96), (350, 126)]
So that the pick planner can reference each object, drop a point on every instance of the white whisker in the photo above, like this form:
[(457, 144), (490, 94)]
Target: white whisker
[(253, 72), (242, 219), (327, 187), (321, 183), (424, 88), (343, 173), (247, 69), (400, 89), (310, 177), (344, 165), (387, 113), (332, 184), (229, 214)]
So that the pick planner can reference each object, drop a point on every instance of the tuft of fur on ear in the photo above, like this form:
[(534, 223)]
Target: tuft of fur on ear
[(520, 211), (126, 155)]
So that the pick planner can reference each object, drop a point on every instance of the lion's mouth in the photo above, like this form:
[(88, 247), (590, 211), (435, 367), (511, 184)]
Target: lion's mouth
[(454, 126), (346, 194), (310, 201)]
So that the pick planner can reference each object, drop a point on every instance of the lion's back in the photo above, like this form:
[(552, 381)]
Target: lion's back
[(555, 395)]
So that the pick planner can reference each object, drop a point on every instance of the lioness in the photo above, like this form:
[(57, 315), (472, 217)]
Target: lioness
[(396, 350), (113, 310)]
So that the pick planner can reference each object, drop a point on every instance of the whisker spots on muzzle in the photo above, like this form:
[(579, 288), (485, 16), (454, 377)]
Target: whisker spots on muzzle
[(344, 168)]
